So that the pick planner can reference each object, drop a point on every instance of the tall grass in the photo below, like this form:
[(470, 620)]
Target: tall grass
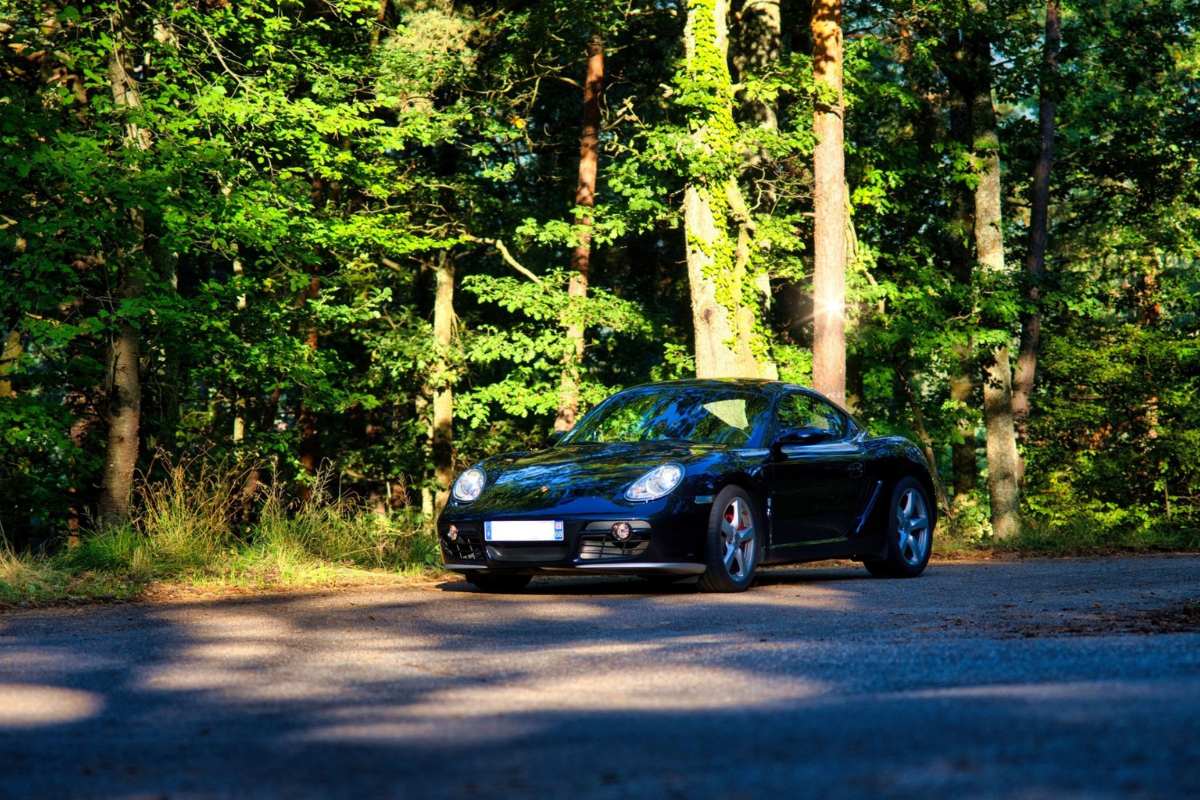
[(208, 523)]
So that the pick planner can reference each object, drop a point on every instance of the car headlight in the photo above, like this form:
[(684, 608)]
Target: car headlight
[(655, 483), (469, 485)]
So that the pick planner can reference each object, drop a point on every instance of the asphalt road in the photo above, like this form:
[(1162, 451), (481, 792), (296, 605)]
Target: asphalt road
[(1034, 679)]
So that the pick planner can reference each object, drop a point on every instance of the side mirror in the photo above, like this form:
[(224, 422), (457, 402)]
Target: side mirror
[(802, 436)]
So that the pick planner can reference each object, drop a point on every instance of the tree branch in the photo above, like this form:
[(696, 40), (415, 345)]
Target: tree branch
[(507, 256)]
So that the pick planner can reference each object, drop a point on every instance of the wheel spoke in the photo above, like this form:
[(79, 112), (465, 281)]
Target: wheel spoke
[(737, 538), (906, 545), (918, 523)]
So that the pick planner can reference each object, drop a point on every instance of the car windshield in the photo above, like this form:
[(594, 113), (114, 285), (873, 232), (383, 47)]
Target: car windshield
[(695, 414)]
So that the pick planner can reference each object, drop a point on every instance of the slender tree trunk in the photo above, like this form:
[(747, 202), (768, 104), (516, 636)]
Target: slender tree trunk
[(829, 205), (271, 409), (1035, 264), (239, 399), (962, 452), (585, 197), (442, 424), (13, 347), (724, 322), (124, 413), (989, 246), (307, 421), (962, 262)]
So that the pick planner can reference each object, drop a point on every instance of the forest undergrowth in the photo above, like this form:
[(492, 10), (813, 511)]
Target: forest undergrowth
[(217, 526)]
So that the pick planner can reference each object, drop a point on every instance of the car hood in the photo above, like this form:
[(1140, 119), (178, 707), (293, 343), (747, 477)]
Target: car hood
[(527, 481)]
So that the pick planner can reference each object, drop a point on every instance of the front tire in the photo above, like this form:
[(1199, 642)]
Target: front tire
[(498, 582), (909, 533), (734, 542)]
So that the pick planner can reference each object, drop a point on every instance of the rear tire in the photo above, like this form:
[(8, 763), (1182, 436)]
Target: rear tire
[(498, 582), (734, 542), (909, 533)]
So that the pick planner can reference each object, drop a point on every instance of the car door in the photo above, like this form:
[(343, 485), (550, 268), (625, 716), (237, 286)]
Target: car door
[(814, 487)]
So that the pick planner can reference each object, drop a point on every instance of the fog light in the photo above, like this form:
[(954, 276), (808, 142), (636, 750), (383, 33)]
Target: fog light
[(621, 531), (452, 534)]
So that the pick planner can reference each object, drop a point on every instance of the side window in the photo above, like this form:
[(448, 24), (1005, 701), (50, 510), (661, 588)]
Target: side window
[(802, 411)]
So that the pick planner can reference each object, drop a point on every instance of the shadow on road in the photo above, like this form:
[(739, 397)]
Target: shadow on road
[(615, 585), (819, 679)]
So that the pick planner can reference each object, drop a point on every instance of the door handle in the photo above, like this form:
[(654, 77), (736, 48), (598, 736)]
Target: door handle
[(855, 470)]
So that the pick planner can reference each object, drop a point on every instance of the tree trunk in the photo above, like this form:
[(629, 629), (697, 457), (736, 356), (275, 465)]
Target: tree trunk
[(962, 264), (989, 246), (829, 205), (442, 424), (585, 197), (124, 414), (13, 347), (728, 342), (962, 453), (239, 399), (759, 42), (1035, 264), (307, 420)]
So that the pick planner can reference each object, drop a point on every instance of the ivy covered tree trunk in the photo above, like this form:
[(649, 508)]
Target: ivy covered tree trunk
[(1002, 456), (1035, 264), (723, 285), (585, 197), (124, 389), (829, 205), (442, 423)]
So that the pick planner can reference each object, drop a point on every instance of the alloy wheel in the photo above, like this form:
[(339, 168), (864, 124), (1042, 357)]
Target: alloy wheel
[(737, 539), (912, 527)]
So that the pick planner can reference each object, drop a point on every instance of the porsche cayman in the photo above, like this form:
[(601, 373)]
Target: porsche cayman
[(703, 479)]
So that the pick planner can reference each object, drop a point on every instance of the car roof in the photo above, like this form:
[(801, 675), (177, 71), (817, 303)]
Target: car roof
[(745, 384)]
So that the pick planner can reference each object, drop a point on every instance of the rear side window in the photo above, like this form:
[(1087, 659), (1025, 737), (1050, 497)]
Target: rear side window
[(805, 411)]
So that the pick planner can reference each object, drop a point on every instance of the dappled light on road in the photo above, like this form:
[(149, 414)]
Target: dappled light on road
[(31, 706), (603, 688)]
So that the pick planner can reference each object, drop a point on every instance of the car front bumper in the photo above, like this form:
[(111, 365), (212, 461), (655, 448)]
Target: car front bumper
[(667, 539)]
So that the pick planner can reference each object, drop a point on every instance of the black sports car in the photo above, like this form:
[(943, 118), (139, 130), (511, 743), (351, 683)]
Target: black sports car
[(694, 478)]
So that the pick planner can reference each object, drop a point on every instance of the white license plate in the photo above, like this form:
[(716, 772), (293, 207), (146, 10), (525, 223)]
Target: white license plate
[(523, 531)]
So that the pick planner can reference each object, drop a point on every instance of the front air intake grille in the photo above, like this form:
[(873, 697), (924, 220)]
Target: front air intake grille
[(526, 553), (467, 547), (604, 547)]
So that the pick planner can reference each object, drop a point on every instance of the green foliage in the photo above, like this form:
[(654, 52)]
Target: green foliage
[(530, 352), (295, 173)]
